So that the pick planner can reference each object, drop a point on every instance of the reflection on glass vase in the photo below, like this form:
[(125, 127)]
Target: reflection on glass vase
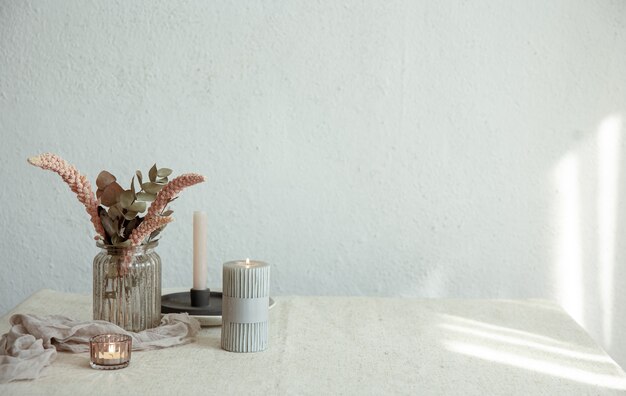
[(127, 286)]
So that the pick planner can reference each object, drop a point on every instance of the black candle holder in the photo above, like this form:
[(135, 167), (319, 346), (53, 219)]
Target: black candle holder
[(194, 302)]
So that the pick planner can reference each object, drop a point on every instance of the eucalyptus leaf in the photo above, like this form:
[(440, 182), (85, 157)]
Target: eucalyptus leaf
[(124, 244), (161, 181), (102, 213), (131, 226), (164, 172), (126, 199), (146, 197), (132, 186), (167, 213), (139, 177), (156, 232), (137, 206), (108, 225), (114, 212), (104, 179), (129, 215), (111, 194), (151, 188), (152, 174)]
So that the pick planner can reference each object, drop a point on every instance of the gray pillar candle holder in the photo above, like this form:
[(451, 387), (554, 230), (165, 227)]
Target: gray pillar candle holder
[(245, 306)]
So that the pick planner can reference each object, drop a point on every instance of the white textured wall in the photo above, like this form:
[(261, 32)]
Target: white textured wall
[(432, 149)]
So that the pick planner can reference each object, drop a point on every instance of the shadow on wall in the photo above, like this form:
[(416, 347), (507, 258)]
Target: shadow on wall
[(587, 181)]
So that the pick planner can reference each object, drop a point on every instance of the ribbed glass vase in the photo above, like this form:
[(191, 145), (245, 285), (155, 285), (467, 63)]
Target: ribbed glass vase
[(127, 286)]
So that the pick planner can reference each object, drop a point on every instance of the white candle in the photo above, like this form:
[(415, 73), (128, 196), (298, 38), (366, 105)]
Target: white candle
[(245, 305), (199, 250), (111, 356)]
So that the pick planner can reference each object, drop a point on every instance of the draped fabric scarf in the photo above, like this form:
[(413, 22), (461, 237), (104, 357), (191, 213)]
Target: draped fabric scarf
[(33, 341)]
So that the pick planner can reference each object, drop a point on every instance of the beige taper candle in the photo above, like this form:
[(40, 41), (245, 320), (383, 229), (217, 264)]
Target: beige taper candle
[(200, 250)]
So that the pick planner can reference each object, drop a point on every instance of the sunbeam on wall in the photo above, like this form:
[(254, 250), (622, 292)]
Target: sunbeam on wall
[(609, 136), (587, 183), (569, 288)]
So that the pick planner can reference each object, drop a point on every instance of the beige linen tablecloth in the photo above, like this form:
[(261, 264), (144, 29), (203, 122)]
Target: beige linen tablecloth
[(341, 345)]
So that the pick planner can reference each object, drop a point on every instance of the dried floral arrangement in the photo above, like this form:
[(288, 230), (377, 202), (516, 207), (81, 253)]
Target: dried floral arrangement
[(116, 212)]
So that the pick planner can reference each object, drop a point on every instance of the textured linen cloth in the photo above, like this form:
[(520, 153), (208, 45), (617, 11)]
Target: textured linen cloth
[(353, 346), (32, 342)]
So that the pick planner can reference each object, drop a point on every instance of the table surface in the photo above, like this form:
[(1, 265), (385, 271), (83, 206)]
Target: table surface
[(355, 345)]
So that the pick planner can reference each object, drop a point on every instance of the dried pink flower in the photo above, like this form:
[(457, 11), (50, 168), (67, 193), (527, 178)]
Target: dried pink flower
[(147, 227), (153, 219), (77, 182), (171, 190)]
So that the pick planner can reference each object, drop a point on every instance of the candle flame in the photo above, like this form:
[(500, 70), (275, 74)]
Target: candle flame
[(247, 261), (111, 348)]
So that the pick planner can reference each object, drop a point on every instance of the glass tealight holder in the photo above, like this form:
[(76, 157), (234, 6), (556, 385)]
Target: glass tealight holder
[(109, 351)]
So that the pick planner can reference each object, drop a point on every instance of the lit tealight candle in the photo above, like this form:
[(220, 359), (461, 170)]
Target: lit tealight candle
[(109, 351), (111, 354)]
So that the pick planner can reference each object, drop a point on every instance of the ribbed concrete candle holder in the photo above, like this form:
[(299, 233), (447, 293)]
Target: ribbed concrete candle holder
[(245, 306)]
